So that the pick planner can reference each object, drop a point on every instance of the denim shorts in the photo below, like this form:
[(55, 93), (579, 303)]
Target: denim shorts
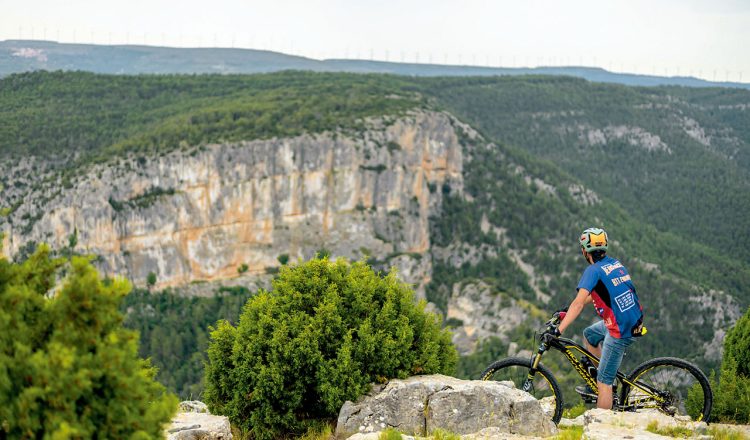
[(613, 350)]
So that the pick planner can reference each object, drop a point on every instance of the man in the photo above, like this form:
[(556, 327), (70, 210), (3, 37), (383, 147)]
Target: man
[(607, 284)]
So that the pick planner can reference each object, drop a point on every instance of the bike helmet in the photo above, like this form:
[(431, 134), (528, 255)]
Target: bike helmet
[(594, 239)]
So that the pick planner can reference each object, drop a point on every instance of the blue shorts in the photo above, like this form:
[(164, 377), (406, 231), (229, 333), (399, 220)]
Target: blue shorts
[(613, 350)]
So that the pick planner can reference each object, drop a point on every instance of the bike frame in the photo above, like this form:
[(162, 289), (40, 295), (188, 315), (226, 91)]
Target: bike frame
[(571, 349)]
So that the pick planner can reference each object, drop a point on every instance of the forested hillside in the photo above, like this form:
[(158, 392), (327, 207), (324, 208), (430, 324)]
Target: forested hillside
[(664, 170), (674, 158)]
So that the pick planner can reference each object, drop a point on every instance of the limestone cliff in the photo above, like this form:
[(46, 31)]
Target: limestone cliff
[(203, 214)]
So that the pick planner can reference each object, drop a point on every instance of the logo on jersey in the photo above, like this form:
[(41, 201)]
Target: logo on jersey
[(616, 281), (608, 268), (625, 301)]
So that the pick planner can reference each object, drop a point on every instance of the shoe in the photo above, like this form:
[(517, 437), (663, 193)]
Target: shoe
[(587, 394)]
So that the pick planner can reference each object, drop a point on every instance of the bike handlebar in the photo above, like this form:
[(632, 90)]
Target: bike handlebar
[(553, 322)]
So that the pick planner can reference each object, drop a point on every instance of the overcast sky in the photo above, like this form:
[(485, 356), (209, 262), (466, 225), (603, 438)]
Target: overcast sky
[(706, 38)]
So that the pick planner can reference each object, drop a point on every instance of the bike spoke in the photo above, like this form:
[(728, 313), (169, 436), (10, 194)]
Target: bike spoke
[(540, 388), (672, 389)]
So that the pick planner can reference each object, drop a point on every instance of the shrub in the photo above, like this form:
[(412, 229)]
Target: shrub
[(151, 279), (737, 345), (732, 393), (68, 369), (320, 337), (242, 269)]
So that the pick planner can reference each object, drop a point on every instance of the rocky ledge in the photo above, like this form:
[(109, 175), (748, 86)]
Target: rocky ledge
[(422, 404), (194, 422)]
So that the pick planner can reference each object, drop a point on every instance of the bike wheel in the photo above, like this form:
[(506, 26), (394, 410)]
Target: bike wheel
[(681, 387), (543, 386)]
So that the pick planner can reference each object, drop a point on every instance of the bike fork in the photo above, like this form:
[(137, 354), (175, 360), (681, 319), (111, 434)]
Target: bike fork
[(529, 382)]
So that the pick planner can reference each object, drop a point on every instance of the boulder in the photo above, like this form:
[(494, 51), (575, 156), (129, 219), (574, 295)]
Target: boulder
[(196, 423), (422, 404)]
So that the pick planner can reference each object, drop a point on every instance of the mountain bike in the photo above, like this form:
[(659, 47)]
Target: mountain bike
[(673, 386)]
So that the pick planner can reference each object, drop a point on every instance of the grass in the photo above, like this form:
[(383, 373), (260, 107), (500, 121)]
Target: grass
[(441, 434), (570, 433), (390, 434), (671, 431), (722, 433), (574, 411), (322, 431)]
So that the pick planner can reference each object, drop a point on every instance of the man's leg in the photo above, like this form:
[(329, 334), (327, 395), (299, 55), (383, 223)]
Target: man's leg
[(596, 351), (605, 396), (593, 336), (613, 350)]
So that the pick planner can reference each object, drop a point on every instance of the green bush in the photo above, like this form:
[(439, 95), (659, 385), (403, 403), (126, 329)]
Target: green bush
[(320, 337), (68, 369), (151, 279), (732, 393), (737, 345)]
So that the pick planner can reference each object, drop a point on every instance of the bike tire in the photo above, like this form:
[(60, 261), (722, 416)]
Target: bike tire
[(703, 410), (494, 372)]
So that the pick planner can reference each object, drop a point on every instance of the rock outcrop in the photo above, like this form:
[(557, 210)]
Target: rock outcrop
[(422, 404), (600, 424), (194, 422), (481, 314), (204, 213)]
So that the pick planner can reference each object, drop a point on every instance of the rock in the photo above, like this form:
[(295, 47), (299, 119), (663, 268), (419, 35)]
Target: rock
[(198, 215), (496, 434), (484, 434), (601, 424), (569, 423), (375, 436), (199, 426), (193, 406), (548, 405), (422, 404), (482, 313)]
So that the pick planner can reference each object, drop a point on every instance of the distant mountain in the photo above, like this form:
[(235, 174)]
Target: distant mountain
[(27, 55)]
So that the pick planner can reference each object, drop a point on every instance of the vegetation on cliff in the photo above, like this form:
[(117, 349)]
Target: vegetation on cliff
[(674, 158), (68, 369), (321, 336)]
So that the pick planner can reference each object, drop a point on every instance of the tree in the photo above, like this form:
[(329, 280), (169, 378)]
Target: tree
[(732, 393), (68, 369), (737, 345), (151, 279), (324, 333)]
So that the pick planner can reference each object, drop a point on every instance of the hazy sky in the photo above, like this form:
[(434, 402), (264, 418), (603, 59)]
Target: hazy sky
[(707, 38)]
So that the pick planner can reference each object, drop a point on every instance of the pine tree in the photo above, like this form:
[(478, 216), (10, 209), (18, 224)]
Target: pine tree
[(68, 369)]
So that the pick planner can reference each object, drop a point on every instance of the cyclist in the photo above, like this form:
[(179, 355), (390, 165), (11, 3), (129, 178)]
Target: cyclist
[(605, 283)]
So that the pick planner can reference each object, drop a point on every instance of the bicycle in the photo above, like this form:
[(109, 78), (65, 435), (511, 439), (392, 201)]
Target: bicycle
[(671, 385)]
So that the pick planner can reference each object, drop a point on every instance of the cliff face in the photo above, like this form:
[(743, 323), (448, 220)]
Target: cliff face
[(203, 214)]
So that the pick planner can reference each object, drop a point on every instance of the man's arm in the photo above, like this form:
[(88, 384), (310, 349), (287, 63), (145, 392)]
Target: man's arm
[(583, 297)]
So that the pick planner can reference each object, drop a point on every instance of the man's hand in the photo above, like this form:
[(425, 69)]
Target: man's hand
[(550, 335)]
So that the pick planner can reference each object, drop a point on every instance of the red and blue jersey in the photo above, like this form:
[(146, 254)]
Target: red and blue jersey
[(614, 296)]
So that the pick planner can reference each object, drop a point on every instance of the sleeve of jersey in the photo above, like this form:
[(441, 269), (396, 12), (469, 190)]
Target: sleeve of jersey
[(589, 278)]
